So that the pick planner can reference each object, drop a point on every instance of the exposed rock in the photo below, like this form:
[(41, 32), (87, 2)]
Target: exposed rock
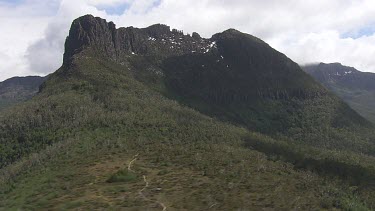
[(158, 31), (116, 44), (196, 36), (89, 31)]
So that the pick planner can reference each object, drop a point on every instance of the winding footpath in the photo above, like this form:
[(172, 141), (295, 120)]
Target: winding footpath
[(131, 163), (146, 185)]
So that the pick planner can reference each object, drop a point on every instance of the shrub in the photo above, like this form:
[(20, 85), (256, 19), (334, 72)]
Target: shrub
[(122, 175)]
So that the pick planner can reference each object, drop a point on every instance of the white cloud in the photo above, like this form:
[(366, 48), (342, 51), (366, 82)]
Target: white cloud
[(45, 54), (108, 2), (307, 31), (329, 47)]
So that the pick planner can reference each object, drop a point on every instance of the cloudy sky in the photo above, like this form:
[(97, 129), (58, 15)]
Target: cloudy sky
[(32, 32)]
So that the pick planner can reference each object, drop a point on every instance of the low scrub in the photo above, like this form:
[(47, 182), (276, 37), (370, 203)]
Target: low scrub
[(122, 175)]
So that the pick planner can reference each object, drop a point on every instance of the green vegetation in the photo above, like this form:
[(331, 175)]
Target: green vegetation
[(361, 101), (286, 102), (18, 89), (354, 87), (212, 162), (122, 175), (197, 147)]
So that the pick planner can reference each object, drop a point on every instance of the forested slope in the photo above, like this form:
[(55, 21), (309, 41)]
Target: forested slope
[(116, 128)]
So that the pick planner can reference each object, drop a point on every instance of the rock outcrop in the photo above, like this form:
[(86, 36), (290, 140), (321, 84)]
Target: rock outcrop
[(104, 38)]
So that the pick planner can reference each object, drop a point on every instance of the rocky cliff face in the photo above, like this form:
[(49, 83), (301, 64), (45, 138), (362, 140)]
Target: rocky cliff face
[(116, 44)]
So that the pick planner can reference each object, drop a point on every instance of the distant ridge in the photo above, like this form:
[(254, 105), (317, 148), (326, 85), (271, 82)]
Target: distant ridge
[(353, 86), (18, 89)]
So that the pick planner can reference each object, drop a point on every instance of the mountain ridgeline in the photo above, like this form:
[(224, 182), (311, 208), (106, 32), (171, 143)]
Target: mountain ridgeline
[(186, 123), (232, 76), (238, 58), (354, 87), (18, 89)]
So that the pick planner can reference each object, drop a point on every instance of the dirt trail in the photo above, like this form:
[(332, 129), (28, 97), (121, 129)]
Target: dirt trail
[(146, 185), (131, 163)]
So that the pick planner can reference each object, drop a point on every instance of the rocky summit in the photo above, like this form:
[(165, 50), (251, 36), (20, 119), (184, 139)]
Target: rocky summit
[(256, 63), (116, 44)]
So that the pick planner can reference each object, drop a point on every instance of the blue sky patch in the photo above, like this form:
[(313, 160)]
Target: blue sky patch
[(156, 3), (118, 9), (364, 31), (11, 2)]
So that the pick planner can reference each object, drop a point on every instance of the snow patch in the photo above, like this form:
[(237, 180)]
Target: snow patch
[(213, 44)]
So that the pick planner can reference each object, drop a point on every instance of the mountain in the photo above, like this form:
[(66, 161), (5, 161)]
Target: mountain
[(152, 118), (233, 76), (18, 89), (354, 87)]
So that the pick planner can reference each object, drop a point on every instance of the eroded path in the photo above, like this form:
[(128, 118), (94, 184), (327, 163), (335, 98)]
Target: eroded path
[(161, 204), (131, 163)]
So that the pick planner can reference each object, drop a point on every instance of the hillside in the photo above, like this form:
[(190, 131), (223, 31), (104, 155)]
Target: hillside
[(354, 87), (18, 89), (233, 76), (155, 119)]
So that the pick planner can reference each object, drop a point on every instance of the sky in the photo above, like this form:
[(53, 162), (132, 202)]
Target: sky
[(33, 32)]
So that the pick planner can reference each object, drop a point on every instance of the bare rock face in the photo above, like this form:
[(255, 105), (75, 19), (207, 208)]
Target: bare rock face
[(196, 36), (103, 37), (89, 31)]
